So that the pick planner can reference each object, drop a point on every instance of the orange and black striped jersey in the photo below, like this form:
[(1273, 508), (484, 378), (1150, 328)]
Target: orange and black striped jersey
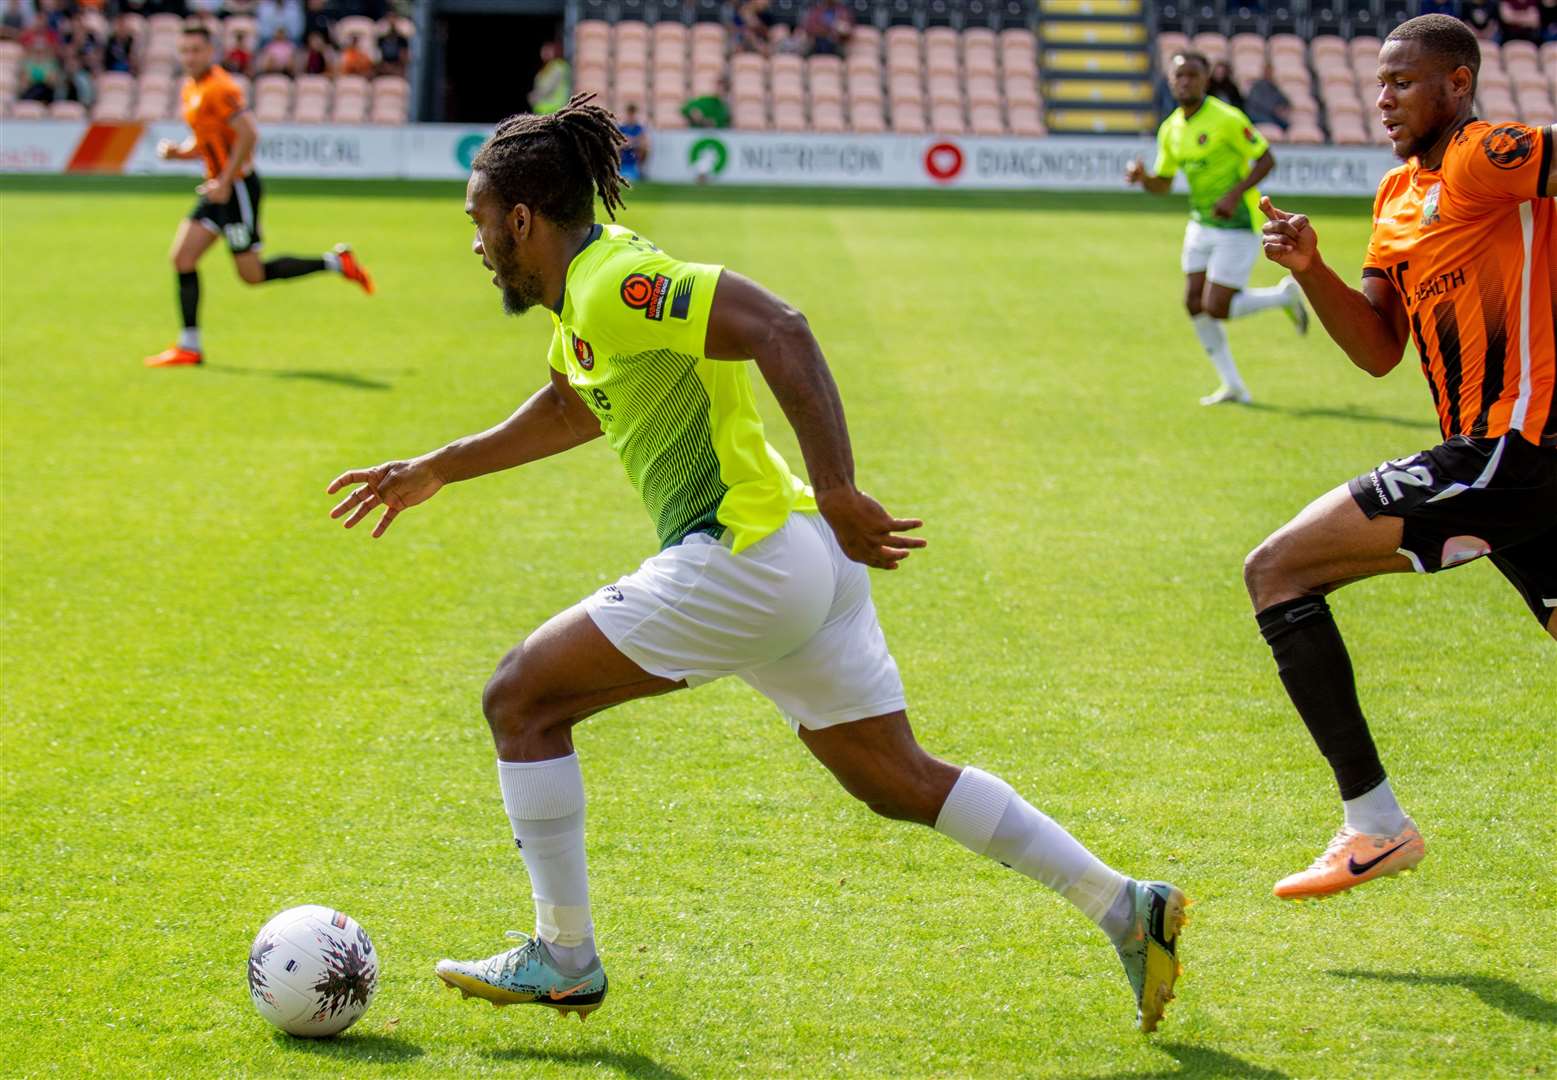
[(209, 105), (1469, 247)]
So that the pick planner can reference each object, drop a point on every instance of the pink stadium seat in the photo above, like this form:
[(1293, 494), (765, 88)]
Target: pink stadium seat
[(984, 119), (1368, 46), (788, 116), (633, 53), (939, 60), (979, 61), (976, 37), (630, 30), (1305, 134), (592, 52), (667, 116), (592, 30), (310, 109), (903, 60), (983, 90), (1170, 42), (940, 35), (896, 35), (351, 106), (944, 90), (153, 97), (748, 64), (1240, 44), (787, 87), (863, 88), (29, 110), (67, 110), (865, 39), (786, 63), (1021, 90), (867, 118), (750, 116), (272, 98), (904, 87), (1026, 121), (1016, 38), (111, 105), (1272, 132), (388, 111), (907, 119), (1348, 131), (1212, 44), (827, 117), (349, 28), (1288, 44), (946, 119)]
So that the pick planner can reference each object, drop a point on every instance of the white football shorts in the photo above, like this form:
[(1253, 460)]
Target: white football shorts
[(1226, 256), (791, 615)]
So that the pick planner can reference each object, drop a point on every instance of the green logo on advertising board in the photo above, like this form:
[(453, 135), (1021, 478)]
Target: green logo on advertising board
[(713, 148), (465, 149)]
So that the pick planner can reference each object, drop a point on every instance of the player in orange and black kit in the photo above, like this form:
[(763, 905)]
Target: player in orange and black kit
[(1460, 263), (223, 138)]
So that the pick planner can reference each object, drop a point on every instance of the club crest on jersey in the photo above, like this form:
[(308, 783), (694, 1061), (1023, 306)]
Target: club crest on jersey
[(1509, 146), (1203, 138), (583, 353), (646, 294), (1248, 133), (1430, 205)]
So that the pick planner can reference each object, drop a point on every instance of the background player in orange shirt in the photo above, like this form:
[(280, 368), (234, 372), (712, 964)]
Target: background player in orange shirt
[(223, 136), (1460, 262)]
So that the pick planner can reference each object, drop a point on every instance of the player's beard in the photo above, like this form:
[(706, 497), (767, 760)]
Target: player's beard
[(521, 286), (1420, 145)]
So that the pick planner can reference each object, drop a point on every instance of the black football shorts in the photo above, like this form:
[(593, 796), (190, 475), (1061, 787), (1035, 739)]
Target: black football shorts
[(237, 219), (1466, 498)]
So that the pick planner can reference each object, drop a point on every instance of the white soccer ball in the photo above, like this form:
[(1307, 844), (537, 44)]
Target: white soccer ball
[(312, 971)]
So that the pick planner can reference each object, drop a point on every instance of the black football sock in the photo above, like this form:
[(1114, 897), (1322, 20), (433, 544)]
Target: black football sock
[(189, 298), (1317, 672), (290, 266)]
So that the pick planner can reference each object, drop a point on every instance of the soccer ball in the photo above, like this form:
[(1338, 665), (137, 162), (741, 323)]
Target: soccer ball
[(312, 971)]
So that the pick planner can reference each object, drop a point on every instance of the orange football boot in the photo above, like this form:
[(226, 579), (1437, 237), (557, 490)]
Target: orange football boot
[(175, 356), (352, 270), (1352, 858)]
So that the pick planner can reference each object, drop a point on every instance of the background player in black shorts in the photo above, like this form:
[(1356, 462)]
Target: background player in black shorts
[(1461, 262), (223, 137)]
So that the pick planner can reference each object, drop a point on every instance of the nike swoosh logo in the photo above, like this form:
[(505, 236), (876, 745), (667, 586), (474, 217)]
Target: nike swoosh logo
[(1362, 868), (558, 995)]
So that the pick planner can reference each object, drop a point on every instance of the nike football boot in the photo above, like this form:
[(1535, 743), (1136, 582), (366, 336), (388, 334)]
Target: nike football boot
[(1352, 858), (1150, 949), (526, 975)]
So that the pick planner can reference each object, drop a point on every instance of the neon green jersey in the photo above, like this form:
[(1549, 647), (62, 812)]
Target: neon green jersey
[(630, 339), (1214, 148)]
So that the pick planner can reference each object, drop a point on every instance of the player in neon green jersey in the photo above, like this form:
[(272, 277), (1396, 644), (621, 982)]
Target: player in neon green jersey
[(1223, 158), (759, 575)]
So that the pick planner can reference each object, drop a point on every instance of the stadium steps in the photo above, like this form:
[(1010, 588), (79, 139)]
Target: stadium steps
[(1097, 70)]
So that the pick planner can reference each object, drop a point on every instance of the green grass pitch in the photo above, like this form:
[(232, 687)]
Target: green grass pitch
[(217, 704)]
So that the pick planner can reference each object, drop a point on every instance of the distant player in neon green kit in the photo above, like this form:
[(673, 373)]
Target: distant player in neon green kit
[(1223, 158), (759, 575)]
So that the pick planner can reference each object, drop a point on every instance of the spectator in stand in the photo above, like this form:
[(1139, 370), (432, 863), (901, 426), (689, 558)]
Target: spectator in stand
[(553, 83), (317, 20), (55, 14), (1482, 17), (40, 72), (205, 7), (635, 151), (710, 110), (277, 55), (1266, 104), (1521, 20), (13, 20), (826, 27), (355, 60), (240, 56), (79, 41), (1549, 20), (75, 81), (1222, 85), (754, 27), (393, 47), (287, 15), (119, 51), (39, 35), (317, 58), (1441, 7)]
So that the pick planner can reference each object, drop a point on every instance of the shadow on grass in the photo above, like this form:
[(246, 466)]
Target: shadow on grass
[(1502, 994), (334, 378), (638, 1066), (1366, 416), (1197, 1062), (365, 1046)]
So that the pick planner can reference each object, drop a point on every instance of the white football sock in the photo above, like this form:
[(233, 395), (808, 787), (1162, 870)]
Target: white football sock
[(1249, 301), (189, 338), (545, 804), (332, 261), (1375, 812), (1213, 337), (986, 816)]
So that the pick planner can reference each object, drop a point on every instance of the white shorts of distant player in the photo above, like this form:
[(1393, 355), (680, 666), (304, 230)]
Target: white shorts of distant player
[(791, 615), (1225, 256)]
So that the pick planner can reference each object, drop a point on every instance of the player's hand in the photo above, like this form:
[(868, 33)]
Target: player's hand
[(865, 531), (394, 485), (215, 191), (167, 149), (1226, 206), (1135, 172), (1289, 239)]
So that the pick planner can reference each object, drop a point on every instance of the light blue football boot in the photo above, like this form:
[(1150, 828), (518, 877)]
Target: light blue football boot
[(1149, 950), (526, 975)]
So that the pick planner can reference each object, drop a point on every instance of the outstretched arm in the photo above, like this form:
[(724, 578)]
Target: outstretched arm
[(1370, 326), (1135, 173), (553, 420), (749, 322)]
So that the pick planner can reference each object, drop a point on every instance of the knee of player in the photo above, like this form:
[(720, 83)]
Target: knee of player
[(1261, 570), (251, 275), (181, 262), (510, 702), (1217, 307), (1192, 306)]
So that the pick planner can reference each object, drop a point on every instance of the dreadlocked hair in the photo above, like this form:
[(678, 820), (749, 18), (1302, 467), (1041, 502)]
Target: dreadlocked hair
[(555, 163)]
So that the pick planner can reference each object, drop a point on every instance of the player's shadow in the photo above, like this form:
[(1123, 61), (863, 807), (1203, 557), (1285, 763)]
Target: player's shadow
[(334, 378), (1366, 416), (352, 1046), (637, 1066), (1200, 1062), (1502, 994)]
